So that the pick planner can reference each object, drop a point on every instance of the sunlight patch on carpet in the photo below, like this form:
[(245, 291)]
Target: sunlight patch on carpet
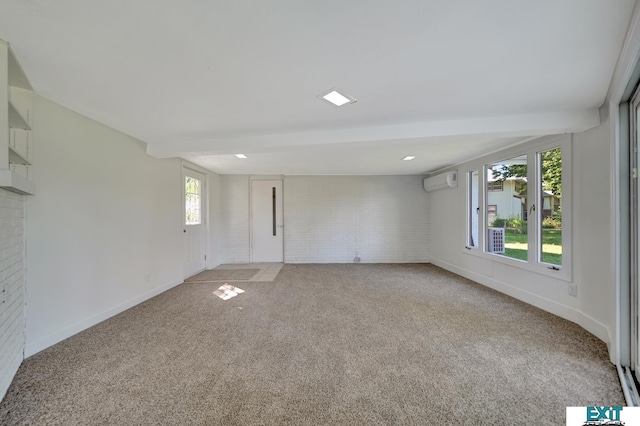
[(227, 291)]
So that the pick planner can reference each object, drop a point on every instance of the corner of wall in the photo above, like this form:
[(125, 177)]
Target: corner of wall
[(590, 324), (33, 348)]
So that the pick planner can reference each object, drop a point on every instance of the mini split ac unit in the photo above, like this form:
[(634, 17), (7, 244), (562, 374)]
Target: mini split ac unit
[(441, 181)]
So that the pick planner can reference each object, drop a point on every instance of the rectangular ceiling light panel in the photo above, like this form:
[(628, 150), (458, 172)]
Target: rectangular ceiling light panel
[(337, 98)]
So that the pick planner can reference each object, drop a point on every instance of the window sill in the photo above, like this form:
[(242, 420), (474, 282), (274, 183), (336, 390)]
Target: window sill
[(563, 274)]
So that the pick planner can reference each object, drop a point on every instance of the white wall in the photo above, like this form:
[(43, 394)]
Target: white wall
[(103, 230), (215, 223), (12, 318), (331, 219), (234, 218), (592, 271), (592, 238)]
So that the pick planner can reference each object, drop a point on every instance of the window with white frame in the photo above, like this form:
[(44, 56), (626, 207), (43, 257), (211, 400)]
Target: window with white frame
[(549, 226), (474, 209), (505, 209), (526, 214)]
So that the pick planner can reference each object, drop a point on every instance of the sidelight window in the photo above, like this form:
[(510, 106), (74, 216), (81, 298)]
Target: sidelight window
[(193, 207)]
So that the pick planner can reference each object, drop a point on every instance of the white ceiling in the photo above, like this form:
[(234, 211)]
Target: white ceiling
[(443, 80)]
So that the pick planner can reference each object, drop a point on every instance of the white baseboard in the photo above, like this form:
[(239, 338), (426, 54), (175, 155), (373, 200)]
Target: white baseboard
[(593, 326), (50, 340), (364, 262), (212, 265)]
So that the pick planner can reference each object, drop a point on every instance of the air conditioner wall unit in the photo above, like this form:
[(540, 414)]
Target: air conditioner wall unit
[(496, 240), (441, 181)]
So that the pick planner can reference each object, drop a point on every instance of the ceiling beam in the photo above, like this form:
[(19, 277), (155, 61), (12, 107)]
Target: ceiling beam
[(539, 124)]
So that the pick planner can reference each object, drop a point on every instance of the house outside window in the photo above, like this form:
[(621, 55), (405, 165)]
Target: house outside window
[(492, 214), (495, 186)]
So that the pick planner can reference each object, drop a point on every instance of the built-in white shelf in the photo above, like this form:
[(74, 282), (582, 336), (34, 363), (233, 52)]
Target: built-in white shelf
[(17, 77), (17, 157), (15, 129), (14, 182), (16, 120)]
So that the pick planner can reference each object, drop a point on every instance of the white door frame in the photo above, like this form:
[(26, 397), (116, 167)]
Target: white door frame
[(185, 168), (281, 201)]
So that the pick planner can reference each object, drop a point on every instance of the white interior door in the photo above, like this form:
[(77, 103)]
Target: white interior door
[(194, 221), (267, 228)]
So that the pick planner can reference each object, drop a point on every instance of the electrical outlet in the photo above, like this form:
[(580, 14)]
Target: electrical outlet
[(573, 290)]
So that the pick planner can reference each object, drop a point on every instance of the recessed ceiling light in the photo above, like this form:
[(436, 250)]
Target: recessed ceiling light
[(409, 157), (241, 156), (337, 98)]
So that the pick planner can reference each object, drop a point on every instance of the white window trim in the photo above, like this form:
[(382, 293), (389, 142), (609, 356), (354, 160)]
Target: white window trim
[(531, 149), (471, 210), (185, 168), (201, 188)]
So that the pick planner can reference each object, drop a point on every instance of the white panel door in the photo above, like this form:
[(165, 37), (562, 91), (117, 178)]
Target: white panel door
[(194, 221), (267, 229)]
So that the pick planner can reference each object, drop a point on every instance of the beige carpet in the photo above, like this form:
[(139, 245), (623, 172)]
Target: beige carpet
[(322, 344), (224, 275)]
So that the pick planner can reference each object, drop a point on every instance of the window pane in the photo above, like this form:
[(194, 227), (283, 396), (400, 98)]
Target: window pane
[(506, 207), (550, 206), (474, 209), (494, 186), (192, 201)]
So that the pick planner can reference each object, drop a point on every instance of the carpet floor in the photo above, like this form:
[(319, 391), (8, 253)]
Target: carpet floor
[(321, 344)]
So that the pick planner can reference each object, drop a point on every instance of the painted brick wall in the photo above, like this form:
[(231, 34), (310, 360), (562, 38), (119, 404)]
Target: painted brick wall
[(234, 219), (12, 282), (334, 218)]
